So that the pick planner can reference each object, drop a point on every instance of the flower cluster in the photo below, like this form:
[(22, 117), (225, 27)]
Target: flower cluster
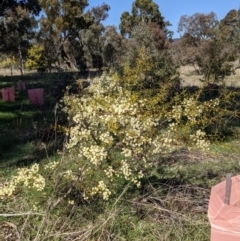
[(126, 170), (7, 189), (29, 177), (51, 165), (101, 188), (192, 110), (110, 172), (94, 153), (199, 140)]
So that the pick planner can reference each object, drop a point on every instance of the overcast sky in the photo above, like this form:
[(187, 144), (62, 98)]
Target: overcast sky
[(171, 10)]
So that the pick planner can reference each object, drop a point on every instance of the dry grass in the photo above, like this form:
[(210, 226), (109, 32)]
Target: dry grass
[(233, 80), (8, 72), (172, 205), (189, 77)]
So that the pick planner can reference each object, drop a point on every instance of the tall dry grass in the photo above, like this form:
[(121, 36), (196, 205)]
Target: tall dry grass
[(189, 77)]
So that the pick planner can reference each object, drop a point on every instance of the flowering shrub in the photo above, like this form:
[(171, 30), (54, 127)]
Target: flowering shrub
[(191, 117), (8, 62), (111, 117), (117, 128), (36, 58)]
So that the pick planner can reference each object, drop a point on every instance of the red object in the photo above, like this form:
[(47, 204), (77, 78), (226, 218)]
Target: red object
[(21, 86), (36, 96), (8, 94), (225, 219)]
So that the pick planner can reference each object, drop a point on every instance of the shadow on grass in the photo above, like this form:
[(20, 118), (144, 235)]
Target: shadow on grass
[(192, 168), (24, 127), (16, 153)]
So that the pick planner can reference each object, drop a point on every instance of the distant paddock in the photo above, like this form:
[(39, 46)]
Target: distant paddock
[(8, 72), (188, 75)]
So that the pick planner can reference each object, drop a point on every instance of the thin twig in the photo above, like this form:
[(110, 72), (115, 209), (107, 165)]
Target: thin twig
[(23, 227), (19, 214)]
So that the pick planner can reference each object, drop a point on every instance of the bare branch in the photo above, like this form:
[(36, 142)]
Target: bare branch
[(19, 214)]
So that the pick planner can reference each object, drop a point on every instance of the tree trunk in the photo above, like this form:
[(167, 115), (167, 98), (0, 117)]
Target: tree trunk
[(21, 64), (65, 57)]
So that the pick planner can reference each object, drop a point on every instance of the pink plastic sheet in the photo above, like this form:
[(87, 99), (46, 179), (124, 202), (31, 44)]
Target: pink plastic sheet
[(8, 94), (36, 96), (21, 86), (225, 219)]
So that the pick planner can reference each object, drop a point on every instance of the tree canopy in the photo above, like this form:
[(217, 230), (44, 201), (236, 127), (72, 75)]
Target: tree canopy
[(31, 5), (142, 11), (72, 28), (17, 28), (199, 26), (73, 35)]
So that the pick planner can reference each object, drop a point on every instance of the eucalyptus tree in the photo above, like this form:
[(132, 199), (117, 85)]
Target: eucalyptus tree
[(74, 30), (145, 26), (196, 33), (114, 47), (32, 5), (62, 22), (17, 28), (203, 45), (92, 37), (229, 28), (143, 11)]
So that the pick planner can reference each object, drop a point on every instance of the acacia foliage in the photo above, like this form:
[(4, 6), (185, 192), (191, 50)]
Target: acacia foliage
[(8, 63), (36, 58), (117, 129)]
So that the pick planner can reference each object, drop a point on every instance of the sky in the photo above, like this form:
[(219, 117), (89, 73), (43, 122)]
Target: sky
[(171, 10)]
